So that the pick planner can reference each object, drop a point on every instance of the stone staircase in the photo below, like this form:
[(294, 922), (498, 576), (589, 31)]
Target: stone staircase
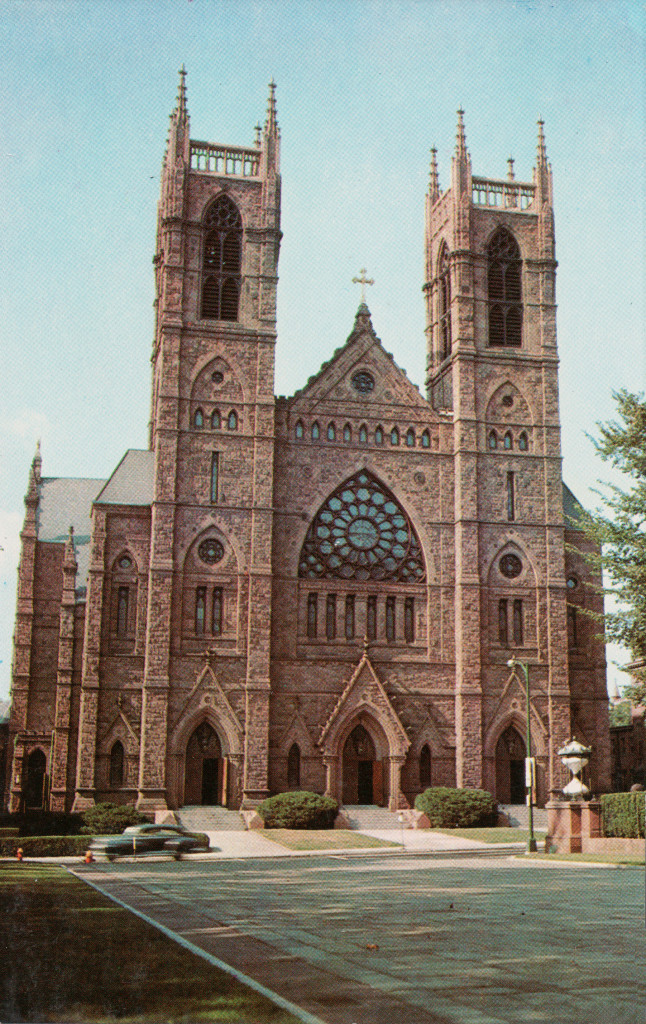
[(210, 819), (518, 816), (364, 817)]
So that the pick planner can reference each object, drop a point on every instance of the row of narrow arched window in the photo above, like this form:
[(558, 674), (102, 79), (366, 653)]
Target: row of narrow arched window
[(383, 619), (221, 261), (332, 433), (216, 420), (504, 294), (507, 441)]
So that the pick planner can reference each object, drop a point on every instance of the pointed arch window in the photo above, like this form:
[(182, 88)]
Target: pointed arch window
[(216, 618), (216, 420), (363, 434), (198, 419), (294, 767), (493, 439), (444, 304), (116, 765), (508, 441), (410, 437), (331, 432), (426, 439), (379, 435), (361, 532), (347, 432), (394, 436), (221, 260), (232, 420), (299, 431), (316, 431), (504, 284), (122, 610), (522, 442)]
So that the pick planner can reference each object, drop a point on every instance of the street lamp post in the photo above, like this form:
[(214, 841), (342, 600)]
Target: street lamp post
[(513, 663)]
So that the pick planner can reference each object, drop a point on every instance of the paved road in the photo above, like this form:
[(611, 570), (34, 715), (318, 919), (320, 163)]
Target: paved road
[(411, 940)]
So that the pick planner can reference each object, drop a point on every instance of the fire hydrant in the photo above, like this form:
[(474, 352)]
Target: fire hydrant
[(89, 859), (19, 853)]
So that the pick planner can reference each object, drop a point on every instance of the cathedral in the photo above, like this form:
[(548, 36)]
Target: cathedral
[(321, 591)]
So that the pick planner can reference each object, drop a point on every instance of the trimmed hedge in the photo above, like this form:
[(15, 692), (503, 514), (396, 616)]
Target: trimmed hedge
[(457, 808), (623, 815), (298, 810), (45, 846), (42, 823), (108, 819)]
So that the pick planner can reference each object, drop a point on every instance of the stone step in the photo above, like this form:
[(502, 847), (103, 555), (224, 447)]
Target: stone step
[(210, 819), (369, 816), (518, 815)]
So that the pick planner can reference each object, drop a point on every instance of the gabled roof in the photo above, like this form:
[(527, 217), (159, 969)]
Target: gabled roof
[(573, 510), (132, 481), (362, 350), (65, 502)]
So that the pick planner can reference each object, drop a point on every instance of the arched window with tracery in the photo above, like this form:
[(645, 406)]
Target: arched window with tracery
[(116, 765), (361, 532), (444, 292), (504, 283), (299, 431), (221, 260)]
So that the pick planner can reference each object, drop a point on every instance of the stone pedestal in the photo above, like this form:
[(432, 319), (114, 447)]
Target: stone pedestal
[(570, 823)]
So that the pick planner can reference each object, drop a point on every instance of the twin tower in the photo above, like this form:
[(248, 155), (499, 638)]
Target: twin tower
[(323, 591)]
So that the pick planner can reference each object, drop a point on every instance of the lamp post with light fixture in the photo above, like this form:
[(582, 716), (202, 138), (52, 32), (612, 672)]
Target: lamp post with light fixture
[(513, 664)]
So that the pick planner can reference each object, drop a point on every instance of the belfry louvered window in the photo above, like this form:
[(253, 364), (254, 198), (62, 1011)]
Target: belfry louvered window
[(221, 261), (504, 282)]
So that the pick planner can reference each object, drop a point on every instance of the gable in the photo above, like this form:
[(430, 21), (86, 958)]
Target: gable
[(361, 378)]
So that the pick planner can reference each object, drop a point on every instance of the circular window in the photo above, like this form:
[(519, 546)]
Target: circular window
[(217, 377), (507, 401), (572, 582), (125, 562), (362, 533), (211, 551), (363, 382), (510, 566)]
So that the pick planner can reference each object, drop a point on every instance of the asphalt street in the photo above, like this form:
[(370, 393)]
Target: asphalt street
[(410, 940)]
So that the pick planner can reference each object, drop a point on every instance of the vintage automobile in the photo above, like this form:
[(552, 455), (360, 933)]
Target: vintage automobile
[(136, 839)]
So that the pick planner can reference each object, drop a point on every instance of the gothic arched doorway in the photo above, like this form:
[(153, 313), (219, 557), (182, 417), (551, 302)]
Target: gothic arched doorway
[(35, 781), (362, 772), (205, 777), (510, 767)]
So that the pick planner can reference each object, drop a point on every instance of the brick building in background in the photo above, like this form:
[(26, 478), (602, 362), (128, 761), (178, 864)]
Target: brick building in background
[(323, 591)]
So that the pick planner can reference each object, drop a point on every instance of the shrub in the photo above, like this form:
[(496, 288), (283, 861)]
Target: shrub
[(106, 819), (456, 808), (298, 810), (43, 823), (623, 815), (44, 846)]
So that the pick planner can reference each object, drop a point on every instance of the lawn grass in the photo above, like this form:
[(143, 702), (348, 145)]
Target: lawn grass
[(591, 858), (491, 835), (71, 954), (323, 839)]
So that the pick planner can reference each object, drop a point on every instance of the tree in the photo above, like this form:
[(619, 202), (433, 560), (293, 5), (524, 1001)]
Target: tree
[(619, 532)]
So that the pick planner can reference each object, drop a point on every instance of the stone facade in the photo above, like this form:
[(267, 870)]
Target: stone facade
[(322, 591)]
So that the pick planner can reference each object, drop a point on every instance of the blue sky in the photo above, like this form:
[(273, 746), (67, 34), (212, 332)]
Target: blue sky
[(365, 88)]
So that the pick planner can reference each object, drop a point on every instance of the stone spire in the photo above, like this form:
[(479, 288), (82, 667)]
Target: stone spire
[(461, 151), (543, 170), (270, 136), (180, 113), (434, 178), (178, 150), (69, 557), (34, 476)]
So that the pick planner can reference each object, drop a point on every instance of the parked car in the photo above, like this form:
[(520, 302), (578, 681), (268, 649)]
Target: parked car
[(171, 839)]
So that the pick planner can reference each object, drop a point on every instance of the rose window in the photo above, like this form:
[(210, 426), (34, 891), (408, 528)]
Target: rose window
[(362, 533), (211, 551)]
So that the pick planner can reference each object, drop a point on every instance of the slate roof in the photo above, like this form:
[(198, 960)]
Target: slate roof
[(573, 510), (64, 502), (132, 481)]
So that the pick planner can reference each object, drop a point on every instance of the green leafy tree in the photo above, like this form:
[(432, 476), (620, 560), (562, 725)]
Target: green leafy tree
[(619, 530)]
